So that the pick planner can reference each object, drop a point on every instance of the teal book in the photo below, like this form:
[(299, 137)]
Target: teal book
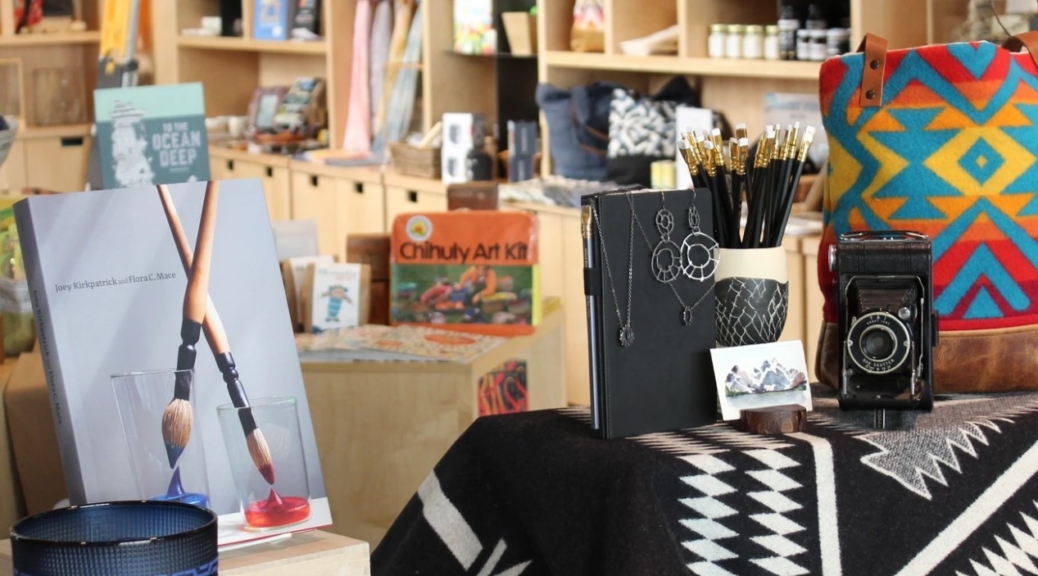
[(151, 135)]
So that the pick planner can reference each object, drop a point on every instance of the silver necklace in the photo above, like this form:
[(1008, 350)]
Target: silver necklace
[(698, 250), (626, 331), (687, 312)]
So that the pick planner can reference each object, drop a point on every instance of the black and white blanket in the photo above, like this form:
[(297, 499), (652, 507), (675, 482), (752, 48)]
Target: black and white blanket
[(954, 492)]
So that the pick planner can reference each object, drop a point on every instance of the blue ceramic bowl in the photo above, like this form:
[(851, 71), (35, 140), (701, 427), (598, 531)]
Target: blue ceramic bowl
[(117, 539)]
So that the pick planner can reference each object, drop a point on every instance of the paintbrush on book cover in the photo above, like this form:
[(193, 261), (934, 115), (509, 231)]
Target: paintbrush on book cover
[(468, 271), (169, 353)]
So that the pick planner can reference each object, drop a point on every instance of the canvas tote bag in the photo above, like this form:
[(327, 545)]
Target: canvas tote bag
[(943, 140)]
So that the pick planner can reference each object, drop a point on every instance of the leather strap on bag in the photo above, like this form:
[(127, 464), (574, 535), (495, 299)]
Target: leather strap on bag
[(1028, 40), (875, 49)]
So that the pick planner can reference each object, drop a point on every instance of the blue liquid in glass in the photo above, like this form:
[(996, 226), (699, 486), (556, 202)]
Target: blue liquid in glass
[(176, 493)]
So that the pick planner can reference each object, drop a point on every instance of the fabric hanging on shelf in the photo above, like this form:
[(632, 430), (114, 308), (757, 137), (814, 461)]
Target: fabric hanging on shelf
[(401, 100), (398, 43), (381, 34), (358, 116)]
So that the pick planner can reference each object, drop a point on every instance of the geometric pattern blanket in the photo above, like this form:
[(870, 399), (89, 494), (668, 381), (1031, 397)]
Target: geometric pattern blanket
[(952, 492)]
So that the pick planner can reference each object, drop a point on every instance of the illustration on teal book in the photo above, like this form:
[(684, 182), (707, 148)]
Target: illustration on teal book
[(152, 135)]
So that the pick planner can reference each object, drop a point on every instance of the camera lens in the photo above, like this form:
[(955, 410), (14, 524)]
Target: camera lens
[(878, 343)]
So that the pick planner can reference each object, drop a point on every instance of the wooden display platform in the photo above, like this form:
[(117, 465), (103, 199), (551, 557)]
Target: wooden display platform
[(382, 426), (310, 553)]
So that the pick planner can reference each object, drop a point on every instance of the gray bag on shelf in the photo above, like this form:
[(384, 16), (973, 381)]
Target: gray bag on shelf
[(578, 128)]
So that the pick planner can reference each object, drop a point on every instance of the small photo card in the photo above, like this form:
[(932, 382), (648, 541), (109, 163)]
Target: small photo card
[(760, 376), (336, 296)]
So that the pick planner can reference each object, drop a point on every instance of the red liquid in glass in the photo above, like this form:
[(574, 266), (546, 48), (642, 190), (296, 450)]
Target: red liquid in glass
[(277, 511)]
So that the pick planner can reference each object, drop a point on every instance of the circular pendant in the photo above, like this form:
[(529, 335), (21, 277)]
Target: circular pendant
[(665, 223), (699, 256), (666, 262), (626, 335), (687, 316)]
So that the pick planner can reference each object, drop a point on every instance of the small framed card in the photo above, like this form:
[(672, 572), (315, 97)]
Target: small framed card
[(760, 376), (336, 296), (293, 273)]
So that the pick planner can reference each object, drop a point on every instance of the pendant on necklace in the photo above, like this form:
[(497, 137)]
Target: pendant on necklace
[(626, 335), (687, 316)]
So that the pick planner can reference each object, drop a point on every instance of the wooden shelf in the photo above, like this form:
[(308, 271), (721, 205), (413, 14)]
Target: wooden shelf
[(692, 66), (65, 131), (315, 47), (55, 39)]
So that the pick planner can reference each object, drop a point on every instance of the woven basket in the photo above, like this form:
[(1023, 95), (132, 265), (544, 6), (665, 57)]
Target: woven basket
[(412, 161)]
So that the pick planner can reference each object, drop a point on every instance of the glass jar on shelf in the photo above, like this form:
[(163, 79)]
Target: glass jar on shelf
[(716, 42), (733, 42), (772, 46), (819, 45), (803, 44), (753, 42), (788, 25), (838, 41)]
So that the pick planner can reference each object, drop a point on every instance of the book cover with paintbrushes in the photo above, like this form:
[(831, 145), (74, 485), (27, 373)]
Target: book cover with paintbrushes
[(170, 355)]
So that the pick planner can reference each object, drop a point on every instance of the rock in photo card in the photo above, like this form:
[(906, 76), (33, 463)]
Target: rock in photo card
[(760, 376)]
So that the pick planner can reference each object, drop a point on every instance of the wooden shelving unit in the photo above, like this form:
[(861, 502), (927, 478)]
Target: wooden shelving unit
[(50, 156), (692, 66), (735, 87), (316, 47), (55, 39), (231, 68)]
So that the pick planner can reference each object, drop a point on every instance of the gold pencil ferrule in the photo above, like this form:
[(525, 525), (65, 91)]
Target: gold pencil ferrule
[(805, 146), (585, 221)]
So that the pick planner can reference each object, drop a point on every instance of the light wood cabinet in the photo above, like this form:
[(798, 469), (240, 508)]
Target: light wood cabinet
[(271, 170), (362, 207), (314, 197), (53, 158), (405, 194), (12, 173)]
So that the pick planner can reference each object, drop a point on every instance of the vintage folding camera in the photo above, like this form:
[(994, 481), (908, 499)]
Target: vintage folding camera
[(887, 324)]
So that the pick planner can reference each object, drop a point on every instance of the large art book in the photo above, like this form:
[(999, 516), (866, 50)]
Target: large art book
[(151, 135), (109, 274)]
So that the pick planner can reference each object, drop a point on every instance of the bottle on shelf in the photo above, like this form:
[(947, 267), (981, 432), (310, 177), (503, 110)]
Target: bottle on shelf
[(733, 41), (479, 165), (788, 25), (803, 51), (753, 42), (819, 45), (772, 46), (838, 41), (816, 18), (717, 41)]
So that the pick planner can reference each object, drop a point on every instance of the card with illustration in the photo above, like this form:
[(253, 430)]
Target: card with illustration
[(336, 296), (760, 376)]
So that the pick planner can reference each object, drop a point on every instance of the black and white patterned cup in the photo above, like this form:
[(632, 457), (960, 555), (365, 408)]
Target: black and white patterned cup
[(751, 295)]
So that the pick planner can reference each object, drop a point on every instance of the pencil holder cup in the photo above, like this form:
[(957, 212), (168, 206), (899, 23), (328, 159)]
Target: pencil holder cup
[(264, 504), (174, 471), (751, 295)]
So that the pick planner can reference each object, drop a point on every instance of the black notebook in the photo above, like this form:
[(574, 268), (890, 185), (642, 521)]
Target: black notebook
[(663, 379)]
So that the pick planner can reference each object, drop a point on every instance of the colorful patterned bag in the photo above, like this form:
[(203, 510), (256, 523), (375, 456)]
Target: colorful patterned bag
[(943, 140)]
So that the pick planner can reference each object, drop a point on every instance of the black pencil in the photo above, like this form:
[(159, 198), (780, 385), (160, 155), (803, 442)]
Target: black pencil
[(801, 159)]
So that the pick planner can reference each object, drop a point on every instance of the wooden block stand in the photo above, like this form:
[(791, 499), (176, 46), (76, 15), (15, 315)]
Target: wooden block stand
[(382, 426), (310, 553)]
